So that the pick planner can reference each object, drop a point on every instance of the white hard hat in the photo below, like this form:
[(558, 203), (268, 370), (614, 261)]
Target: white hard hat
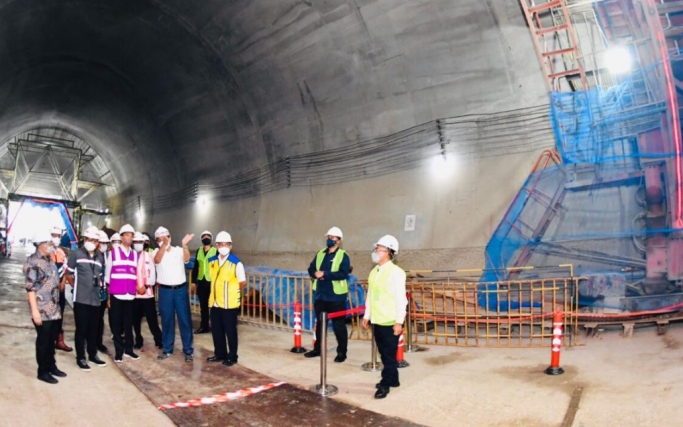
[(42, 237), (145, 238), (92, 232), (116, 237), (223, 237), (161, 231), (205, 232), (335, 231), (103, 237), (388, 242), (127, 229), (138, 237), (56, 230)]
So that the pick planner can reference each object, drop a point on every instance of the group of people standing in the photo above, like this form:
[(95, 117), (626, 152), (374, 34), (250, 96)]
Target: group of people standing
[(122, 278)]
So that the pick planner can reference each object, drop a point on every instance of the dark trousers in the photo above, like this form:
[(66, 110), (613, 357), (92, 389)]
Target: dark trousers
[(172, 302), (100, 324), (387, 345), (146, 308), (62, 305), (87, 319), (45, 345), (121, 324), (224, 325), (203, 293), (338, 324)]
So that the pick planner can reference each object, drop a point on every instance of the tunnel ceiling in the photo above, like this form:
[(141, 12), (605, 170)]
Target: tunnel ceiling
[(171, 91)]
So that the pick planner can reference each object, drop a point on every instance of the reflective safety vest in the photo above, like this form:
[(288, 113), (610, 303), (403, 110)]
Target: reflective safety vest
[(202, 260), (340, 287), (382, 302), (225, 287)]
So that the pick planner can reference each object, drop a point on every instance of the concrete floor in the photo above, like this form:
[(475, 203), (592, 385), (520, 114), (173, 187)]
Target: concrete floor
[(614, 381)]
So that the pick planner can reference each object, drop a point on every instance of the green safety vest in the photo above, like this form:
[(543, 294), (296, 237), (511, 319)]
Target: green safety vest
[(382, 302), (202, 259), (340, 287)]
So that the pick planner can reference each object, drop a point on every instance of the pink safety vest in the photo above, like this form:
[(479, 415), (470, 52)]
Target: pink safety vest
[(123, 276)]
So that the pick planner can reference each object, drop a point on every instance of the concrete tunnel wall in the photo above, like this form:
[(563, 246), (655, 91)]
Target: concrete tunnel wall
[(174, 92)]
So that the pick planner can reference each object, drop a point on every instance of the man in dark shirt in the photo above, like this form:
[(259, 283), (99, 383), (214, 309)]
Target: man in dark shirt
[(42, 287), (329, 270), (85, 266)]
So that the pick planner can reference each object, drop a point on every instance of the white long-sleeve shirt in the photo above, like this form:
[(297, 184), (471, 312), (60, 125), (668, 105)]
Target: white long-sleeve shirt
[(397, 287)]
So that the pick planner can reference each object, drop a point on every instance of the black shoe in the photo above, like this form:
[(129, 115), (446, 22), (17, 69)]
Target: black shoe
[(118, 359), (214, 359), (378, 385), (102, 349), (228, 363), (202, 331), (312, 353), (340, 358), (164, 356), (132, 355), (48, 378), (381, 392), (159, 346), (97, 361), (57, 373), (82, 365), (189, 358), (137, 346)]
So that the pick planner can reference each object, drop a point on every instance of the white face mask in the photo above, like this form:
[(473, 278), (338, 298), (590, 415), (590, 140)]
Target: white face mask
[(50, 249), (103, 247), (56, 240), (89, 246), (138, 247), (375, 257), (115, 245), (224, 251)]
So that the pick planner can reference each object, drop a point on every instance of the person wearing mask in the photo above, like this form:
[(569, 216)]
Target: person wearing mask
[(227, 282), (85, 268), (42, 287), (115, 240), (145, 306), (59, 257), (330, 270), (385, 309), (174, 297), (202, 279), (121, 275), (103, 248)]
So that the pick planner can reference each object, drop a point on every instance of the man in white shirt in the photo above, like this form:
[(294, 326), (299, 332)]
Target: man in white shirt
[(174, 297)]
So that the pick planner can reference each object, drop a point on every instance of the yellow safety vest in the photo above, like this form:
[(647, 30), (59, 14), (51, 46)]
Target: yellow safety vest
[(225, 287), (202, 260), (382, 302), (340, 287)]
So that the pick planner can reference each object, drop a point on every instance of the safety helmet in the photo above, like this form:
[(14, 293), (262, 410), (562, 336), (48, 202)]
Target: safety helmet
[(127, 229), (103, 237), (335, 231), (42, 237), (223, 237), (145, 238), (388, 242), (138, 237), (161, 231), (92, 232), (56, 230), (116, 237), (205, 233)]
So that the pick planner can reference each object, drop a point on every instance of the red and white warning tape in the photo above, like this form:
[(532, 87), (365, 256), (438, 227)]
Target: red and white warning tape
[(223, 397)]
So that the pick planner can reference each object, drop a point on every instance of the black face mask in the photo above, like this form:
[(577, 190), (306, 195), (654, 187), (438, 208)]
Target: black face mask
[(206, 241), (146, 246), (331, 243)]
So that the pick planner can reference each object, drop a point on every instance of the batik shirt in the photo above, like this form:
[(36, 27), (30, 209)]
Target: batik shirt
[(42, 278)]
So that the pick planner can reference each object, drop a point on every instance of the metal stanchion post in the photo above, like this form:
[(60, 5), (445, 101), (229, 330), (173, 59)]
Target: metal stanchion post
[(410, 348), (323, 388), (373, 365)]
